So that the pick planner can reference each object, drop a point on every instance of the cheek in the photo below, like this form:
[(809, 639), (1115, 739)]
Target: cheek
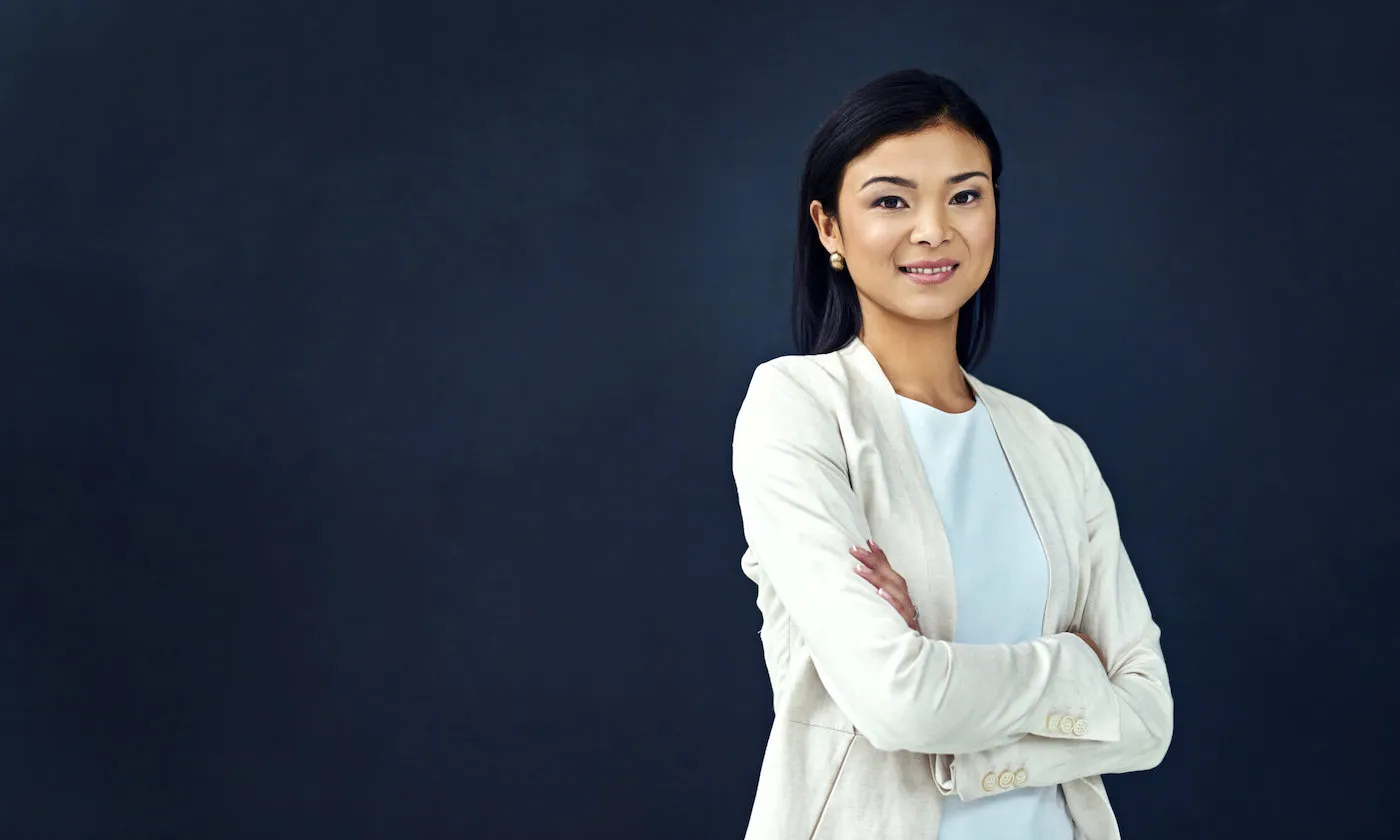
[(983, 236), (879, 239)]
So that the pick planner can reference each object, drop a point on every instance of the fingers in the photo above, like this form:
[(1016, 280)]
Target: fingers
[(872, 556), (880, 575), (903, 607), (875, 568), (874, 560), (897, 594)]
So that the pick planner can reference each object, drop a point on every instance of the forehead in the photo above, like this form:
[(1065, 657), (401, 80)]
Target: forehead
[(927, 156)]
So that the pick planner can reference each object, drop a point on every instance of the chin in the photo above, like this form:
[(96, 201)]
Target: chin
[(933, 311), (933, 318), (926, 306)]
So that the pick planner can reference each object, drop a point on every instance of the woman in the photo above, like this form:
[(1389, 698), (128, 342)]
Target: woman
[(957, 642)]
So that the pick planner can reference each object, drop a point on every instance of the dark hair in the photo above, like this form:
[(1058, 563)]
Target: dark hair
[(825, 309)]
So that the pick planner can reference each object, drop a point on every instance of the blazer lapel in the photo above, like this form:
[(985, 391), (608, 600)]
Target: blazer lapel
[(1028, 467), (931, 581)]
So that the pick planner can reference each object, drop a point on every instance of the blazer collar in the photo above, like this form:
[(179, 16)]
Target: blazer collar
[(865, 363)]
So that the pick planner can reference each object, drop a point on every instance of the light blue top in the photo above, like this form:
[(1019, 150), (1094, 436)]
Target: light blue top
[(1002, 577)]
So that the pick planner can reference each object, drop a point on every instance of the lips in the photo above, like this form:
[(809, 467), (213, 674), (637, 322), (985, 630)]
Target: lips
[(930, 272)]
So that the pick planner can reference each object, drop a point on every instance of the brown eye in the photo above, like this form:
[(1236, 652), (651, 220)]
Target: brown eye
[(889, 202), (966, 197)]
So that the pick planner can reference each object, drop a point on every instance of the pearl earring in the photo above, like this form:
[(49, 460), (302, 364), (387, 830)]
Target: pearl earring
[(838, 262)]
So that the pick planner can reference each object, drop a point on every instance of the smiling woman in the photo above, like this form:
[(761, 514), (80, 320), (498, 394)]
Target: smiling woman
[(957, 642), (897, 134), (920, 243)]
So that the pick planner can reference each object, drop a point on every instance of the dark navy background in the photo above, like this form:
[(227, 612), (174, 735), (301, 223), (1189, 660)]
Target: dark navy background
[(370, 371)]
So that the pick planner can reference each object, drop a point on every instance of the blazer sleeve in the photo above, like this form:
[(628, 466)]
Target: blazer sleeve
[(900, 689), (1117, 617)]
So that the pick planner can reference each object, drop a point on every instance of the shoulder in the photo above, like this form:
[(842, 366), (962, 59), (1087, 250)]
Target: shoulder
[(820, 379), (812, 373), (794, 395)]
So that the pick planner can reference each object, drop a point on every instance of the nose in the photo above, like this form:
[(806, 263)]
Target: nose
[(931, 226)]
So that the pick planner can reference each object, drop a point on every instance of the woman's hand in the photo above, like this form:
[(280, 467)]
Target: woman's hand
[(875, 567)]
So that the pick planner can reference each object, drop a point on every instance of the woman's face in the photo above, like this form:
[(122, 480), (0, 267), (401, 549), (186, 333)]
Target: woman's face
[(917, 224)]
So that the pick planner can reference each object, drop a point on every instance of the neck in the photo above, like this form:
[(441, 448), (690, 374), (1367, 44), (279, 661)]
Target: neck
[(920, 359)]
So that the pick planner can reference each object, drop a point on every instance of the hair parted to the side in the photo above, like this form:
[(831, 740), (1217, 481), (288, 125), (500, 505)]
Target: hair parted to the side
[(825, 309)]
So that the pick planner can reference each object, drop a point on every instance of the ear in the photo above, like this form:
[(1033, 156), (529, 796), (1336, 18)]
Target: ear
[(828, 229)]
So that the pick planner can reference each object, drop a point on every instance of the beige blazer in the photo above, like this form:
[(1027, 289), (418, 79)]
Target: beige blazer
[(874, 723)]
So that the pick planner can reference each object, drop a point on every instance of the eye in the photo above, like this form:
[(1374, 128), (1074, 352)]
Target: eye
[(966, 197), (884, 203)]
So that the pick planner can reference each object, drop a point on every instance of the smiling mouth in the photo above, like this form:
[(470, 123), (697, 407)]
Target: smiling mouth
[(929, 272)]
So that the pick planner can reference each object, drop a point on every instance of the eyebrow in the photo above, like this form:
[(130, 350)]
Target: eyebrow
[(905, 182)]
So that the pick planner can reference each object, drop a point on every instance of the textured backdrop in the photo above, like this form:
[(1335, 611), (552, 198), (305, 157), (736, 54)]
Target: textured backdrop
[(370, 371)]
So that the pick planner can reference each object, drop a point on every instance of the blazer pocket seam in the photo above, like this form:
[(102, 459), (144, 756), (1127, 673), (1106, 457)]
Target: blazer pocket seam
[(831, 791), (850, 732)]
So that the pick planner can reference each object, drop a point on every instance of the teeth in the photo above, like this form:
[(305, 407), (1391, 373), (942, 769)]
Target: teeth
[(943, 270)]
